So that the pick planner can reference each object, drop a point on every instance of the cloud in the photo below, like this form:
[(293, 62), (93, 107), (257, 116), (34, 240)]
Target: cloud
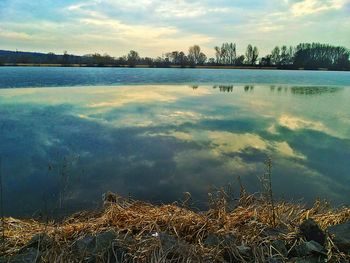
[(295, 123), (154, 27), (270, 28), (14, 35), (307, 7), (82, 5), (221, 142), (128, 95), (184, 9), (101, 27), (285, 149)]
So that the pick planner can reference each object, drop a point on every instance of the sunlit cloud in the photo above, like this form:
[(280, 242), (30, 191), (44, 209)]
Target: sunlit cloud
[(195, 137), (222, 143), (154, 27), (286, 150), (295, 123), (306, 7), (18, 36)]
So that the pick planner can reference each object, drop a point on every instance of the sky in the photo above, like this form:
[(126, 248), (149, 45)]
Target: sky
[(154, 27)]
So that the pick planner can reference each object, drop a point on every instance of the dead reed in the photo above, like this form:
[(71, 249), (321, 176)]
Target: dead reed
[(248, 223)]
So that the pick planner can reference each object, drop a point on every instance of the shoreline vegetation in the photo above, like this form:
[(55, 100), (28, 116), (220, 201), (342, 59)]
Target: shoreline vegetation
[(305, 56), (140, 66), (234, 228), (254, 229)]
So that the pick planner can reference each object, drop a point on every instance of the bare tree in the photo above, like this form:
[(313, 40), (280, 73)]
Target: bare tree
[(275, 56), (252, 54), (218, 54), (195, 56), (133, 58)]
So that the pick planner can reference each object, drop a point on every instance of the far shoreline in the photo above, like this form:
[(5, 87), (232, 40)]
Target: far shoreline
[(170, 66)]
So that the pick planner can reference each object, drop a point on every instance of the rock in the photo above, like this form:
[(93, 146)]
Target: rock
[(275, 260), (244, 251), (103, 245), (117, 254), (312, 259), (228, 240), (279, 248), (341, 236), (85, 245), (113, 255), (225, 242), (104, 241), (274, 232), (311, 231), (41, 241), (172, 247), (167, 241), (31, 251), (91, 259), (28, 255), (230, 253), (307, 249), (213, 240)]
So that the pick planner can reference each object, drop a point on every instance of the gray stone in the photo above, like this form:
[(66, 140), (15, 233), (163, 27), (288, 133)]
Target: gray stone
[(227, 243), (212, 240), (311, 231), (167, 241), (274, 232), (104, 241), (279, 247), (275, 260), (172, 247), (41, 241), (308, 248), (95, 244), (341, 236), (244, 251), (228, 240), (91, 259), (117, 254), (312, 259), (85, 245), (28, 255)]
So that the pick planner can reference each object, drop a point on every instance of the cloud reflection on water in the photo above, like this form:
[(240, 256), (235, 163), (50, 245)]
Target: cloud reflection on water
[(156, 142)]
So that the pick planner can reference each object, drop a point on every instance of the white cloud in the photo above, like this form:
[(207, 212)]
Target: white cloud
[(270, 28), (227, 142), (154, 27), (295, 123), (102, 28), (307, 7), (184, 9), (14, 35)]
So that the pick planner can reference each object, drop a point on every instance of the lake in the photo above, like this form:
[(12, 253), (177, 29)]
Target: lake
[(67, 135)]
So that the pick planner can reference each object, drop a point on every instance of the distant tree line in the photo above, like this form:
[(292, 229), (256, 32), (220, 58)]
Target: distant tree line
[(306, 56)]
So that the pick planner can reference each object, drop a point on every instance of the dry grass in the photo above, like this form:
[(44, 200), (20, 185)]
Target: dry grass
[(247, 222)]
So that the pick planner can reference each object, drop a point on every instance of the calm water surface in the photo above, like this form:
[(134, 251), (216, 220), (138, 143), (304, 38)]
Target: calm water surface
[(23, 77), (63, 147)]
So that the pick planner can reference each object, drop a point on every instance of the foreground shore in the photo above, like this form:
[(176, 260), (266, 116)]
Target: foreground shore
[(253, 230)]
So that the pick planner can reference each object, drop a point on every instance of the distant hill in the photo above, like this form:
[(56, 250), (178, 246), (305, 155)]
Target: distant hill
[(39, 58)]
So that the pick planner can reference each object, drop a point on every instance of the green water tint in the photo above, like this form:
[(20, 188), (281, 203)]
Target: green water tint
[(155, 142)]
